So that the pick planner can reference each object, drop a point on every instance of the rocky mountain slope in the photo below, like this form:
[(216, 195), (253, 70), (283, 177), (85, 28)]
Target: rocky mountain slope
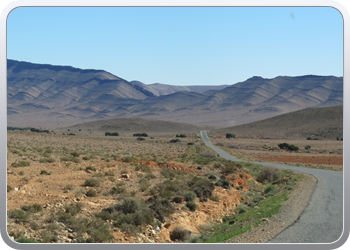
[(56, 96)]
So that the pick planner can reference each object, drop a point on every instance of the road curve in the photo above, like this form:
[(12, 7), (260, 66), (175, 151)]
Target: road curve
[(322, 220)]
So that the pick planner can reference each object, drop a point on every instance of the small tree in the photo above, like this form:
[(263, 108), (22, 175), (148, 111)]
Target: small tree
[(229, 135)]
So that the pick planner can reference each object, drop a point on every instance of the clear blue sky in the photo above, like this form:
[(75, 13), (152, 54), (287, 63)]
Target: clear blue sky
[(182, 45)]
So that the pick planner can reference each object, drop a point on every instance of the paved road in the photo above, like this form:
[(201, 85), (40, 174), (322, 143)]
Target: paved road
[(322, 220)]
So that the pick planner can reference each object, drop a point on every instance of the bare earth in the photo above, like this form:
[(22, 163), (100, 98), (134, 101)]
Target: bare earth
[(323, 154), (49, 190)]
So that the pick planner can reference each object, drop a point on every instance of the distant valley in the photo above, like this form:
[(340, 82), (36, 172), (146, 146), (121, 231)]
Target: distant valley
[(41, 95)]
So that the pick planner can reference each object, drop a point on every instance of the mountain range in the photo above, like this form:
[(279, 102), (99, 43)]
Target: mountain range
[(44, 95)]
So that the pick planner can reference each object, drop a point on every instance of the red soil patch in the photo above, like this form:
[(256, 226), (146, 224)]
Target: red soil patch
[(324, 160)]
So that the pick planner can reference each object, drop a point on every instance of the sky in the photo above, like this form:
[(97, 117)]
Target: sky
[(181, 45)]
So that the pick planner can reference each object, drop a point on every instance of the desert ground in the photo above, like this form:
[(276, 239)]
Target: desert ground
[(323, 153), (72, 187)]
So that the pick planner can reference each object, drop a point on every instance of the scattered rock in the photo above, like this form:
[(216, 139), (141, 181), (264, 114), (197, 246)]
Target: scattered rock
[(166, 224), (265, 219), (126, 176)]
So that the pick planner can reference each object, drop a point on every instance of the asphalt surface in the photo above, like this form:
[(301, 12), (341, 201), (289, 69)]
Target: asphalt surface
[(322, 220)]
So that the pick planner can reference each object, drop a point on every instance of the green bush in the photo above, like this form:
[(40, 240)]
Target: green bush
[(251, 204), (214, 198), (258, 198), (39, 130), (288, 147), (212, 177), (270, 189), (229, 135), (307, 147), (202, 187), (283, 145), (140, 139), (75, 154), (269, 174), (46, 160), (111, 134), (73, 209), (117, 190), (69, 187), (192, 206), (44, 172), (160, 207), (230, 218), (26, 240), (9, 188), (169, 188), (129, 211), (20, 164), (190, 196), (181, 135), (92, 183), (242, 210), (144, 184), (19, 216), (174, 140), (90, 168), (70, 158), (36, 208), (293, 148), (179, 234), (91, 193), (99, 231), (228, 167), (140, 135), (177, 199)]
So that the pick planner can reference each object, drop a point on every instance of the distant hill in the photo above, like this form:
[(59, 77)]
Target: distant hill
[(58, 96), (159, 89), (321, 123), (137, 125)]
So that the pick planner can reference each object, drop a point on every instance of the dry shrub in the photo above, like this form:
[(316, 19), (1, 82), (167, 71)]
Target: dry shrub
[(269, 174), (179, 234)]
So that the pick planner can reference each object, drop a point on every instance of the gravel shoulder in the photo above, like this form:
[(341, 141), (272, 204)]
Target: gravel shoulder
[(290, 212)]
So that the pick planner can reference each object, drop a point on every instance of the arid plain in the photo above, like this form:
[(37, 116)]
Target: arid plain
[(76, 184)]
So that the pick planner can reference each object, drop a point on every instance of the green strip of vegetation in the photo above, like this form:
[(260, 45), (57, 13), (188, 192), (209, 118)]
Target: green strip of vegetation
[(243, 222)]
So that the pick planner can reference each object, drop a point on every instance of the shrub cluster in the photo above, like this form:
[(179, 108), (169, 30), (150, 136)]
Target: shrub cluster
[(175, 140), (179, 234), (128, 214), (161, 207), (269, 174), (229, 135), (111, 134), (288, 147), (223, 182), (20, 164), (181, 135), (140, 135), (228, 167), (92, 183), (39, 130), (203, 188), (191, 206), (18, 128)]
